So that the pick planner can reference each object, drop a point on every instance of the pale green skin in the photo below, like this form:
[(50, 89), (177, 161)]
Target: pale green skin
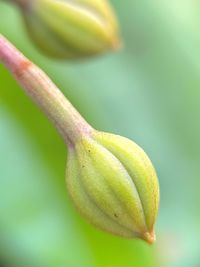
[(113, 184), (71, 29)]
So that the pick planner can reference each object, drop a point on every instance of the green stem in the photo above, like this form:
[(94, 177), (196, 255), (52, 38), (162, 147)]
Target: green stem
[(44, 92)]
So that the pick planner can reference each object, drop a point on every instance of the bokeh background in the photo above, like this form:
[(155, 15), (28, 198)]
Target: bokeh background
[(150, 92)]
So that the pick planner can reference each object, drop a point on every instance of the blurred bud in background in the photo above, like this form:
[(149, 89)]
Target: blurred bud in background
[(71, 29)]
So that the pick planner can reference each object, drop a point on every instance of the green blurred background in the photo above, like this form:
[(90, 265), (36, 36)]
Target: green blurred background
[(149, 92)]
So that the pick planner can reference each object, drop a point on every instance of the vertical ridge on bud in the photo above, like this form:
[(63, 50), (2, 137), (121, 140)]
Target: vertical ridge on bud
[(140, 169), (120, 193), (84, 203)]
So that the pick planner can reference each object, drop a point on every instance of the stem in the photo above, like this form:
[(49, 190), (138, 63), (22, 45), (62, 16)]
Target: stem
[(43, 91), (21, 3)]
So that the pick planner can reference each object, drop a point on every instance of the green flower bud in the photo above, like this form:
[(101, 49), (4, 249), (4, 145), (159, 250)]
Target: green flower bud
[(114, 185), (111, 179), (71, 28)]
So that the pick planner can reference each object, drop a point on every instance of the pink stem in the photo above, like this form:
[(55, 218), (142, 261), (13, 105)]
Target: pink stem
[(44, 92)]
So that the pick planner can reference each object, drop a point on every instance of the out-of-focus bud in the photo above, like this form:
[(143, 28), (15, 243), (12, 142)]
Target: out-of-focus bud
[(114, 185), (71, 28)]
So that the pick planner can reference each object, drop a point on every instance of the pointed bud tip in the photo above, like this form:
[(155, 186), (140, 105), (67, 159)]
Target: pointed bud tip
[(149, 237), (117, 44)]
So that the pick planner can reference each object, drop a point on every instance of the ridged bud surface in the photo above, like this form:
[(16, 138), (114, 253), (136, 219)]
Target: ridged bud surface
[(71, 28), (114, 185)]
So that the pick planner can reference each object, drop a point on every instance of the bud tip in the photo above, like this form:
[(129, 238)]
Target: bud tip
[(117, 44), (149, 237)]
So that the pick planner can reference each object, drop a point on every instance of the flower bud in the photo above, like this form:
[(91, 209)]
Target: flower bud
[(110, 178), (71, 28), (114, 185)]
